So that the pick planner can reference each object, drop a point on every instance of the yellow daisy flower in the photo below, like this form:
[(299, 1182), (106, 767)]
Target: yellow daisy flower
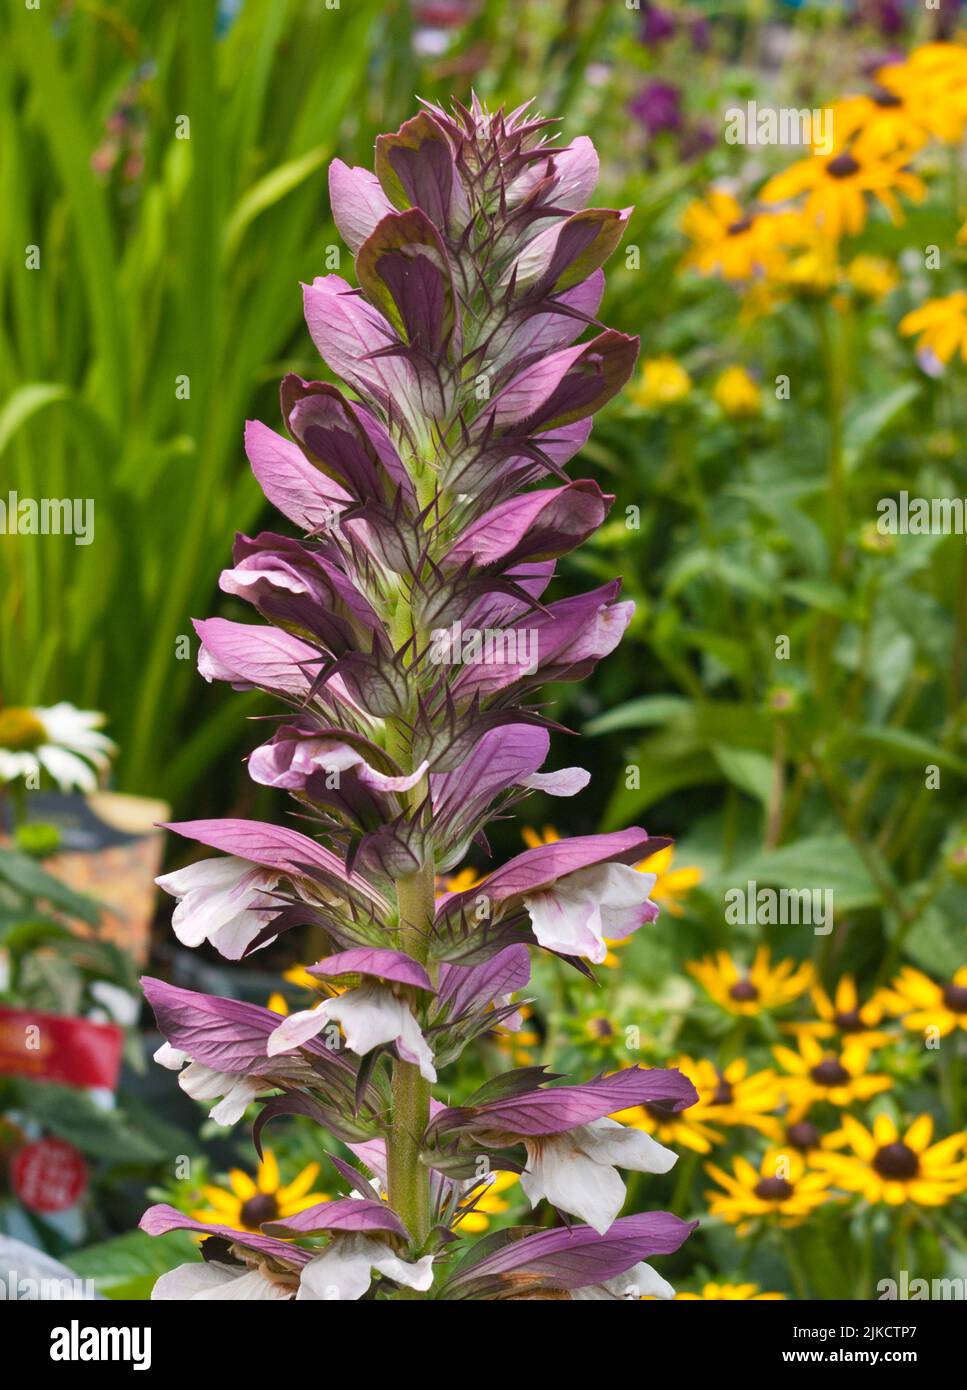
[(814, 1074), (872, 277), (663, 382), (685, 1129), (838, 187), (725, 1099), (923, 1004), (734, 1097), (728, 241), (729, 1293), (737, 395), (843, 1016), (671, 885), (248, 1202), (886, 122), (782, 1189), (932, 83), (885, 1168), (940, 326), (491, 1203), (762, 988)]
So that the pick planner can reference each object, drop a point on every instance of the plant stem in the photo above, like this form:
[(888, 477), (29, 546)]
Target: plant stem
[(408, 1178)]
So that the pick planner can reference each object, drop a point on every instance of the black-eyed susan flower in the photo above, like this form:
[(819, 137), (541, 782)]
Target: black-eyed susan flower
[(486, 1203), (737, 394), (883, 1167), (736, 1096), (728, 241), (782, 1190), (932, 83), (872, 277), (248, 1202), (729, 1293), (726, 1099), (762, 988), (838, 187), (672, 885), (661, 383), (940, 327), (815, 1074), (922, 1004), (843, 1016), (803, 1135), (885, 122)]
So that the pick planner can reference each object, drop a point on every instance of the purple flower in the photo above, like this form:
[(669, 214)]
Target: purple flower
[(572, 1259), (659, 107), (657, 26), (403, 632)]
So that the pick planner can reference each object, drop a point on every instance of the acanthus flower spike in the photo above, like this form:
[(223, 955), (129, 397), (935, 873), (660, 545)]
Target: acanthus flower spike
[(405, 632)]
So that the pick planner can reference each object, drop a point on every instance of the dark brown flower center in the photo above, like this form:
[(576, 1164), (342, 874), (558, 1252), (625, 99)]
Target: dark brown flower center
[(773, 1189), (842, 167), (955, 997), (724, 1095), (743, 992), (803, 1135), (882, 97), (261, 1207), (830, 1072), (896, 1161), (849, 1021), (744, 224), (600, 1028)]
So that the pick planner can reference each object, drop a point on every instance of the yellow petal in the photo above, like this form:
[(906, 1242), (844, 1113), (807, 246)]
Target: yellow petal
[(299, 1185), (242, 1184), (268, 1173)]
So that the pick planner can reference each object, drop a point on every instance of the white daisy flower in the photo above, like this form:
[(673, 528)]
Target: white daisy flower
[(62, 741)]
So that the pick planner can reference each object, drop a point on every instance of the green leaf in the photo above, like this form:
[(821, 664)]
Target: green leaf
[(127, 1266), (900, 747), (28, 878), (820, 861), (935, 943), (749, 771), (867, 421), (72, 1115), (824, 595), (26, 402), (270, 190), (638, 714)]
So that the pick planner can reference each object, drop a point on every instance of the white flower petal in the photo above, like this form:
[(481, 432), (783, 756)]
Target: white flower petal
[(343, 1270), (558, 1169), (217, 1282), (578, 913), (171, 1057), (607, 1141), (298, 1028)]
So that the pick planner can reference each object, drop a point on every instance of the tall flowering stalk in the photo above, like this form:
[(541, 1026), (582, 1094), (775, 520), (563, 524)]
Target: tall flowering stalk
[(407, 636)]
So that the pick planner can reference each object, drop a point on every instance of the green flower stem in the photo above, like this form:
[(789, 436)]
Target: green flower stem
[(409, 1179), (796, 1273)]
